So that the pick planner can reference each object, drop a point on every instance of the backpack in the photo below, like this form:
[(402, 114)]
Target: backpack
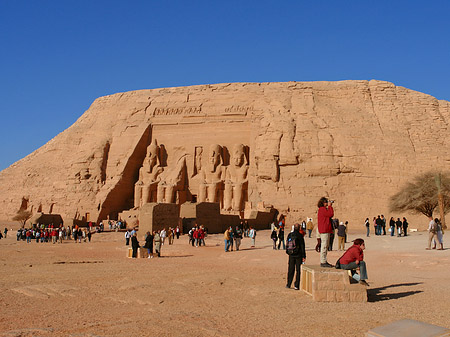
[(291, 247)]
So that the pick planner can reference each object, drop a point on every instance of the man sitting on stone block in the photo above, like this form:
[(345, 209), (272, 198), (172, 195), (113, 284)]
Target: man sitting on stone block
[(353, 259)]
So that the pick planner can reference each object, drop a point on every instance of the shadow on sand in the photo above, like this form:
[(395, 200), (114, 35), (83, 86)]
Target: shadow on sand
[(376, 295)]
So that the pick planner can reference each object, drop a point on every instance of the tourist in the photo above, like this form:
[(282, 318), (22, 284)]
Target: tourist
[(398, 224), (379, 224), (191, 236), (392, 225), (432, 231), (134, 245), (149, 244), (227, 238), (324, 215), (353, 259), (163, 235), (170, 236), (341, 232), (127, 237), (297, 255), (281, 225), (157, 240), (5, 232), (375, 225), (177, 232), (204, 234), (334, 226), (237, 237), (274, 237), (383, 224), (405, 227), (231, 238), (440, 235), (309, 227), (80, 235), (54, 235), (89, 235), (252, 235)]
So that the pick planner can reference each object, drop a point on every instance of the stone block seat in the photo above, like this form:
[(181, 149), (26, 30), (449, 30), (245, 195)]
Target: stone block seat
[(331, 285)]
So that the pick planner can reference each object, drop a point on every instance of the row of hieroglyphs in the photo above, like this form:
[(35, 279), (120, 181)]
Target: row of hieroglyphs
[(195, 110)]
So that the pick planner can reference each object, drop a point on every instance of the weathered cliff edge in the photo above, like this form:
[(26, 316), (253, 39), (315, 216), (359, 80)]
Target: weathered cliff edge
[(357, 142)]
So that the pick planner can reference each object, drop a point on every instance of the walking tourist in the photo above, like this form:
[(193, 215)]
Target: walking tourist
[(252, 235)]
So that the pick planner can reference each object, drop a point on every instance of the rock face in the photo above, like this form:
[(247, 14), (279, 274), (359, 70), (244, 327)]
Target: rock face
[(241, 145)]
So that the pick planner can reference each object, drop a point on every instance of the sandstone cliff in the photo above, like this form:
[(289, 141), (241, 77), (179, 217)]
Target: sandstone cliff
[(354, 141)]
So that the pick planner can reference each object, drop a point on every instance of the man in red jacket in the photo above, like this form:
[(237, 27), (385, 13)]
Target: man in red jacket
[(353, 259), (324, 215)]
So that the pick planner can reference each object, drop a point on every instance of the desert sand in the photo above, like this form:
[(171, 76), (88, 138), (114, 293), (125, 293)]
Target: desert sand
[(92, 289)]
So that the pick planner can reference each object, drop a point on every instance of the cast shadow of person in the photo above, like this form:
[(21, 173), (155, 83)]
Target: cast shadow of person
[(377, 295)]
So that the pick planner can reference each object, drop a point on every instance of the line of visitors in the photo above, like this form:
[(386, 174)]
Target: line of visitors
[(395, 226)]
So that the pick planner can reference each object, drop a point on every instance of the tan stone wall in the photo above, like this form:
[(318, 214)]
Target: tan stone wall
[(357, 142)]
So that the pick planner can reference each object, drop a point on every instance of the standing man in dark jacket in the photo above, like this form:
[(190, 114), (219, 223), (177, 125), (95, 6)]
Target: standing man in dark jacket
[(134, 245), (297, 255)]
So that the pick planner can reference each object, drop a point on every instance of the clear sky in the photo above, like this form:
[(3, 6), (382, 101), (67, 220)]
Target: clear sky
[(57, 57)]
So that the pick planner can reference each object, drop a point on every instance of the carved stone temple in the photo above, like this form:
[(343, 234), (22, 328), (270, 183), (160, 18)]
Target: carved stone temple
[(220, 153)]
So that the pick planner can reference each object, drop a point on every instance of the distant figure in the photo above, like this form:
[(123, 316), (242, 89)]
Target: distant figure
[(341, 232), (432, 231), (392, 226), (227, 238), (440, 236), (134, 245), (353, 259), (237, 237), (324, 214), (398, 224), (309, 227), (252, 235), (177, 232), (405, 227), (149, 244), (5, 232), (157, 239), (127, 237), (383, 224), (274, 237), (163, 235), (281, 226), (295, 248), (379, 223)]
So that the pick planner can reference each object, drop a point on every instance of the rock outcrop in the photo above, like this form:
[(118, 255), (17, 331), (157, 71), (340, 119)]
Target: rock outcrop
[(240, 144)]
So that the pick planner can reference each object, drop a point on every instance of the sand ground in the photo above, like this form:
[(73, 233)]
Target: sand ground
[(92, 289)]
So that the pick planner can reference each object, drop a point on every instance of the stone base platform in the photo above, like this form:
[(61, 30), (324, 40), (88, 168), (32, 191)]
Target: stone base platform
[(141, 253), (330, 285), (408, 328)]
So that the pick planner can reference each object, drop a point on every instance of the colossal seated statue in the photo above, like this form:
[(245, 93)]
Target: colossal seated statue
[(172, 181), (236, 179), (211, 176), (149, 176)]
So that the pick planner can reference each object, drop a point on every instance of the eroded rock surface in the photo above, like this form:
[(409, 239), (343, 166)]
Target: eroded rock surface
[(354, 141)]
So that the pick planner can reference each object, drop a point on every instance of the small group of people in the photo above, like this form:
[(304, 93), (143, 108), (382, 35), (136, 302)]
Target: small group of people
[(151, 239), (435, 234), (197, 235), (233, 237), (395, 226), (50, 233)]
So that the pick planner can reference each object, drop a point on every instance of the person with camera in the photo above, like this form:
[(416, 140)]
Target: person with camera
[(324, 214)]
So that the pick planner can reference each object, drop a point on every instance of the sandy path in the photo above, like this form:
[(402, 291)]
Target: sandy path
[(92, 289)]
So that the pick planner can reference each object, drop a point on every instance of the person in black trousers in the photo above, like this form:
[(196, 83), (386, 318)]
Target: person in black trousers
[(134, 245), (295, 248)]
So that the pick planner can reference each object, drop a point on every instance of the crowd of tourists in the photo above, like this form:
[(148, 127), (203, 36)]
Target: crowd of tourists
[(41, 233), (396, 227), (233, 236)]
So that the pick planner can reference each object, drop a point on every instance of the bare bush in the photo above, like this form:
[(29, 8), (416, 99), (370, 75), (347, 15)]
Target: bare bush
[(421, 195)]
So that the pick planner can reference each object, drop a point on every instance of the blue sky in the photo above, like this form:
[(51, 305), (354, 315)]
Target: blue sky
[(57, 57)]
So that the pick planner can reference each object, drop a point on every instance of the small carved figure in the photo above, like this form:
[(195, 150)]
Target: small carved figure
[(212, 175)]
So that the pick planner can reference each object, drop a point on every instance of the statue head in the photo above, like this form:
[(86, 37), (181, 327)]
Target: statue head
[(238, 155), (153, 153), (214, 157)]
